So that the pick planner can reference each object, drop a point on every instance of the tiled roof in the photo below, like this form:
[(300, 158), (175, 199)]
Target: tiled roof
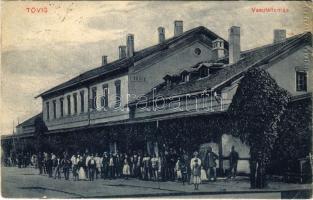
[(125, 63), (30, 121), (249, 58)]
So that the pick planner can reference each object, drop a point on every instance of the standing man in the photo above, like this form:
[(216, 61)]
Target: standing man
[(49, 165), (57, 167), (86, 159), (105, 165), (98, 165), (40, 163), (91, 167), (134, 162), (210, 164), (66, 164), (74, 161), (111, 167), (233, 161)]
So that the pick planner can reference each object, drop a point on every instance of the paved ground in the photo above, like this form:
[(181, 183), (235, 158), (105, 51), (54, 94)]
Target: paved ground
[(27, 183)]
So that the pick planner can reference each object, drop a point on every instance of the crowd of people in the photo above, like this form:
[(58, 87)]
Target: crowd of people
[(167, 166)]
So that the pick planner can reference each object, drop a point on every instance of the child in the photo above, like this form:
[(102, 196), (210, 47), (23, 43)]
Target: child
[(184, 172), (196, 172), (178, 170), (203, 174)]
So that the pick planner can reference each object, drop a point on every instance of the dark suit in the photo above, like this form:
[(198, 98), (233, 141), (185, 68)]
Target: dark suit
[(210, 164)]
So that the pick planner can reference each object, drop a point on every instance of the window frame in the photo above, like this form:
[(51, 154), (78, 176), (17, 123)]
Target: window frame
[(118, 93), (105, 96), (82, 101), (54, 107), (75, 106), (69, 109), (62, 107), (301, 84), (93, 98), (48, 110)]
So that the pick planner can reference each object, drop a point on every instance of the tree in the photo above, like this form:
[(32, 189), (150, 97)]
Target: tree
[(255, 110), (294, 136)]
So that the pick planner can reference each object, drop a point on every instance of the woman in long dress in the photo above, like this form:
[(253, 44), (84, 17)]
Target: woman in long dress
[(126, 168), (81, 172)]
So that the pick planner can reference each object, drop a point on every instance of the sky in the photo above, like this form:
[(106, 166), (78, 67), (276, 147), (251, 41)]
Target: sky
[(43, 49)]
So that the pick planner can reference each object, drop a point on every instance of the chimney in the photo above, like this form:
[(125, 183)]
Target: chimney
[(234, 44), (178, 27), (218, 49), (279, 35), (130, 45), (104, 60), (122, 51), (161, 31)]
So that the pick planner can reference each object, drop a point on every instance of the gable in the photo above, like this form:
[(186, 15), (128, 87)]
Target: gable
[(171, 63), (283, 70), (172, 49)]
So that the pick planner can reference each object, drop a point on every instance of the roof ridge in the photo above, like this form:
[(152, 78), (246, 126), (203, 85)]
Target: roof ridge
[(273, 44), (138, 55)]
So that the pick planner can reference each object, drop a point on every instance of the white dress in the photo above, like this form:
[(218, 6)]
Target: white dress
[(81, 173), (126, 168), (203, 175)]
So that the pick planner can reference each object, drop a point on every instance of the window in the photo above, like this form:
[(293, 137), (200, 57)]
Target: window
[(61, 107), (94, 98), (105, 97), (185, 77), (69, 105), (82, 101), (54, 103), (47, 110), (197, 51), (75, 103), (118, 93), (301, 81), (204, 71)]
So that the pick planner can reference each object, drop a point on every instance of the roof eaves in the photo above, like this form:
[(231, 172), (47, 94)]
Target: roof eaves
[(264, 60)]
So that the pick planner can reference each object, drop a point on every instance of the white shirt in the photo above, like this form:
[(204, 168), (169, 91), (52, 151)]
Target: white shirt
[(74, 160), (111, 163), (101, 160), (87, 160), (192, 162), (98, 161)]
